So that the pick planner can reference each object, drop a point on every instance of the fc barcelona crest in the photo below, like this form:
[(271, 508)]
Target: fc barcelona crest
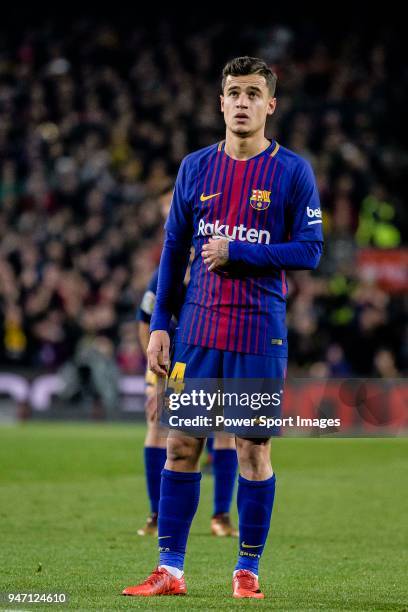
[(260, 199)]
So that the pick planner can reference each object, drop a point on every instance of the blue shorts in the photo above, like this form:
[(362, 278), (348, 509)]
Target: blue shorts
[(220, 374), (202, 362)]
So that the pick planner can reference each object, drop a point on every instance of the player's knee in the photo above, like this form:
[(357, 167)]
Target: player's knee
[(253, 455), (222, 441), (183, 450)]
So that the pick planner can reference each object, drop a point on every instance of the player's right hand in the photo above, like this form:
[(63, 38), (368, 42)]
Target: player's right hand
[(158, 352)]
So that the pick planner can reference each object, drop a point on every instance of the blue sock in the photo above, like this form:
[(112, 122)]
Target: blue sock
[(154, 459), (225, 470), (255, 503), (179, 495)]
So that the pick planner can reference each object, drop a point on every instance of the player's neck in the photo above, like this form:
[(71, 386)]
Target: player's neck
[(242, 148)]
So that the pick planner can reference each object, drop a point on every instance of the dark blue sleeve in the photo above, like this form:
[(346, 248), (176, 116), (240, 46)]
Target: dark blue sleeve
[(285, 256), (176, 249), (180, 219), (304, 215), (173, 266)]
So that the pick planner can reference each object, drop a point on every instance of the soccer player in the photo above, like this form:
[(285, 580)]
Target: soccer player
[(263, 199), (224, 456)]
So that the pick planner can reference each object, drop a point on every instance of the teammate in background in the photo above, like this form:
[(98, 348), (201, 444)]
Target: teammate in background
[(224, 456), (251, 209)]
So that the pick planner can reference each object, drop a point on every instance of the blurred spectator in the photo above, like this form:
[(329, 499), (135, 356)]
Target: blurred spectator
[(94, 120), (384, 364), (92, 375)]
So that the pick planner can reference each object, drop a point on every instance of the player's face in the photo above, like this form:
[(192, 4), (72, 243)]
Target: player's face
[(246, 103)]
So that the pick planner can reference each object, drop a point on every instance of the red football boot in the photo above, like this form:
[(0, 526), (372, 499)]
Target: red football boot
[(160, 582), (245, 584)]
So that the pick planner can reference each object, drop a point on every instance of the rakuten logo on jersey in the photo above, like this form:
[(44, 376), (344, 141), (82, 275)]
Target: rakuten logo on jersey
[(237, 232), (314, 213)]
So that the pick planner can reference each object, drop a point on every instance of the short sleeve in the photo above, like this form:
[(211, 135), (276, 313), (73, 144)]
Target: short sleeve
[(305, 215), (146, 307)]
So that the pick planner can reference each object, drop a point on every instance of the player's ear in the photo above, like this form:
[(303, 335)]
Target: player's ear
[(271, 106), (222, 103)]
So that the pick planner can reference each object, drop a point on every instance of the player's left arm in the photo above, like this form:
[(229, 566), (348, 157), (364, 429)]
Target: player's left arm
[(294, 255), (305, 247)]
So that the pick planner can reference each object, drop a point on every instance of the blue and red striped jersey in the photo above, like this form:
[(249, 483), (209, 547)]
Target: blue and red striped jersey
[(269, 199)]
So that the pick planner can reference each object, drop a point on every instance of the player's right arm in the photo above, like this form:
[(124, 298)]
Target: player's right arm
[(173, 265), (158, 352)]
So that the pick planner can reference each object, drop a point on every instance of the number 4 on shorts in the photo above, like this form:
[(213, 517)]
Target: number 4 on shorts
[(176, 379)]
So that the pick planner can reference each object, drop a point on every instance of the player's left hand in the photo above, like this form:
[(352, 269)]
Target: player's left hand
[(215, 253)]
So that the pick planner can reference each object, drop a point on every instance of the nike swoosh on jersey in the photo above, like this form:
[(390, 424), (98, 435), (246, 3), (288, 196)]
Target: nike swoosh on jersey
[(163, 537), (204, 198), (251, 545)]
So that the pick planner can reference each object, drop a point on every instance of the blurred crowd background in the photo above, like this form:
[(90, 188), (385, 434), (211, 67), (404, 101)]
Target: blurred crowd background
[(95, 118)]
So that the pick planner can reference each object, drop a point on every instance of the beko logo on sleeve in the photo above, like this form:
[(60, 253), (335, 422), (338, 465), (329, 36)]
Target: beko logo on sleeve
[(315, 214)]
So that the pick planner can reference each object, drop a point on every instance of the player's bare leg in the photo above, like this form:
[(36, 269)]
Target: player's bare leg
[(254, 458), (256, 491), (224, 468), (183, 452)]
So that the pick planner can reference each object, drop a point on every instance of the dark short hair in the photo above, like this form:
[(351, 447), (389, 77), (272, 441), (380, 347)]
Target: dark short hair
[(241, 66)]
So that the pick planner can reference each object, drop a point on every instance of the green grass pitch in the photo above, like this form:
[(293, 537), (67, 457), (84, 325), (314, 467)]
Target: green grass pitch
[(72, 497)]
